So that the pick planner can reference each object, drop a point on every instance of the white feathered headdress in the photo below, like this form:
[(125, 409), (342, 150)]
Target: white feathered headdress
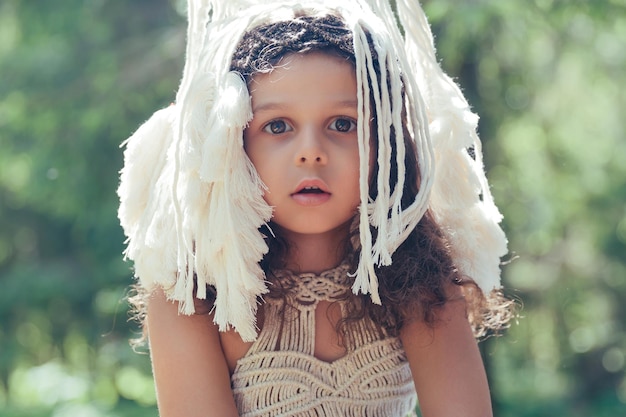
[(192, 203)]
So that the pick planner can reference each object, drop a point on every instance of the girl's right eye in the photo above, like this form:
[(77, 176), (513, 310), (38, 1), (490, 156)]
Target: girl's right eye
[(276, 127)]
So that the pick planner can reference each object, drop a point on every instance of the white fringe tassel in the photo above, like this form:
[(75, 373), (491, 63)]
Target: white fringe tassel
[(192, 203)]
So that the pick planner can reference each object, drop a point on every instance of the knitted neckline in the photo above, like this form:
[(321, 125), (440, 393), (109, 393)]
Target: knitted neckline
[(324, 284), (308, 289), (280, 374)]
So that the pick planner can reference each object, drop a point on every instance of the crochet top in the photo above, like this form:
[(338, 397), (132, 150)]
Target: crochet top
[(280, 376)]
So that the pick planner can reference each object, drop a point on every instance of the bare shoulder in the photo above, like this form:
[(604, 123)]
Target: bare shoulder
[(189, 366), (451, 322), (446, 364), (233, 347)]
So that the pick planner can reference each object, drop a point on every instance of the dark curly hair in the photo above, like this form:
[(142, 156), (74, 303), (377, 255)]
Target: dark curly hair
[(262, 47), (416, 284)]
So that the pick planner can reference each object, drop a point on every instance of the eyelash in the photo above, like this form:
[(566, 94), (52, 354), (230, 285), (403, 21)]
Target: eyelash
[(268, 127), (287, 128), (348, 119)]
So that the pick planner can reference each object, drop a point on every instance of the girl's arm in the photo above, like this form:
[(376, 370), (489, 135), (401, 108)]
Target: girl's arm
[(190, 371), (447, 369)]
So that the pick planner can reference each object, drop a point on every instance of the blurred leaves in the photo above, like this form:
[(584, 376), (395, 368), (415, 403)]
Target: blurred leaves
[(78, 77), (547, 78)]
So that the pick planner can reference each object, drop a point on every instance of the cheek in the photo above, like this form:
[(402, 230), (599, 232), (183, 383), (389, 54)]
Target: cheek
[(253, 153), (265, 168)]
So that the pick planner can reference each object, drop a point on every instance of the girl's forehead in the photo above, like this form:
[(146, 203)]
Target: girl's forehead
[(306, 78), (317, 58)]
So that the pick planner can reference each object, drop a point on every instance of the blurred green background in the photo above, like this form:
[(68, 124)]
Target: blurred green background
[(77, 77)]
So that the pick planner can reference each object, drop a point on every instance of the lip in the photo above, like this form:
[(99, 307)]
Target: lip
[(311, 199), (311, 182)]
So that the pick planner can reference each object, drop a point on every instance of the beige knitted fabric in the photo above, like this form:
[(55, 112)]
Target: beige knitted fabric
[(279, 376)]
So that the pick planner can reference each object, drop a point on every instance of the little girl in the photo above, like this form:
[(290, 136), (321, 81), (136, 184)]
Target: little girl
[(310, 222)]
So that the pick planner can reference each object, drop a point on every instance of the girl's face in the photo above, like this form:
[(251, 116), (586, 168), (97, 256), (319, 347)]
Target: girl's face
[(303, 142)]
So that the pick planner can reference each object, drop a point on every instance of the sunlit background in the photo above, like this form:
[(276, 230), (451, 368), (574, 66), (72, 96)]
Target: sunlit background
[(77, 77)]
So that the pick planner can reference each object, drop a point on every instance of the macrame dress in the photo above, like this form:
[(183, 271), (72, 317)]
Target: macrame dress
[(280, 376)]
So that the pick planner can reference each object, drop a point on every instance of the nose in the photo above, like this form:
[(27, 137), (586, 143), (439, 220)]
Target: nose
[(310, 148)]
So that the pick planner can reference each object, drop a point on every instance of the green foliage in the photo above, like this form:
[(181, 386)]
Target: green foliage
[(546, 77), (78, 77)]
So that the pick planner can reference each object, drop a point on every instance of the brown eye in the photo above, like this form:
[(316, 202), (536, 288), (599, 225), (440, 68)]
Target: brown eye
[(276, 127), (343, 125)]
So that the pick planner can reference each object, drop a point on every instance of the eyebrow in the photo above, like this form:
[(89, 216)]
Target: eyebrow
[(268, 106), (342, 104)]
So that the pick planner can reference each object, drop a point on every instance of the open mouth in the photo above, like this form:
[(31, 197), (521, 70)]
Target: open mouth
[(311, 190)]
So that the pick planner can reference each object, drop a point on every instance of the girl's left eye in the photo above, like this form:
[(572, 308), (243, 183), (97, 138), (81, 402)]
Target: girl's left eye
[(343, 125)]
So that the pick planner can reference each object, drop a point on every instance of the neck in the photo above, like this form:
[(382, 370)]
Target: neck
[(316, 252)]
